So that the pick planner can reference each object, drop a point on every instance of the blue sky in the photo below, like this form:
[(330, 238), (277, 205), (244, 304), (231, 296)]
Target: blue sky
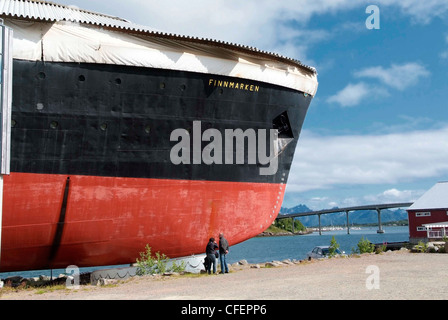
[(377, 130)]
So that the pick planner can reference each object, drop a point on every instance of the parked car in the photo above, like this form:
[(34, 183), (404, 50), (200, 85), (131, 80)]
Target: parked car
[(322, 252)]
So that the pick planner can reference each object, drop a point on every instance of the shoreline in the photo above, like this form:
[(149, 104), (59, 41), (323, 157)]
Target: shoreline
[(311, 230), (282, 234), (400, 276)]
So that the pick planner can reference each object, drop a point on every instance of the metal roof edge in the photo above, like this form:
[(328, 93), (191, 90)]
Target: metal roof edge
[(432, 198), (12, 8)]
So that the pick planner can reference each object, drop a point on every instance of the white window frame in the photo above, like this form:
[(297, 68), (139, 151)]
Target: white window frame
[(421, 229), (423, 214)]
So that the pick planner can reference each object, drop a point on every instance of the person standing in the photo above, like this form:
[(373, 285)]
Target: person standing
[(223, 251), (211, 258)]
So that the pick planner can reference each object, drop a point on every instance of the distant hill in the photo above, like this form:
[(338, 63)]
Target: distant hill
[(340, 218)]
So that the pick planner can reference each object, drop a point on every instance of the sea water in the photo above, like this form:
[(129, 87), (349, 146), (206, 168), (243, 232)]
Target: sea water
[(265, 249)]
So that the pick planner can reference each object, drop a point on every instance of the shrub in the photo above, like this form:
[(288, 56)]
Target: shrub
[(421, 247), (432, 250), (334, 246), (381, 248), (147, 264), (365, 246), (286, 224)]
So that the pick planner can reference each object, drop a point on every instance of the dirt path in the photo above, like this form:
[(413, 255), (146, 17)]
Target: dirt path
[(398, 275)]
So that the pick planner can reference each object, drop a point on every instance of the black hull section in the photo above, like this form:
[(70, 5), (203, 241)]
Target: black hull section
[(116, 121)]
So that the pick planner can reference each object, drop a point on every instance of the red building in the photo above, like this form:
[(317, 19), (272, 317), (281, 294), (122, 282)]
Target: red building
[(428, 216)]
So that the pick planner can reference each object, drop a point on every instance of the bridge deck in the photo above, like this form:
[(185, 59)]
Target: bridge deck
[(377, 207)]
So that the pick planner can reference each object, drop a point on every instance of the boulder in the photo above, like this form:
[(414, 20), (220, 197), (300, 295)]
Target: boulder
[(44, 278), (15, 281), (105, 282), (272, 264)]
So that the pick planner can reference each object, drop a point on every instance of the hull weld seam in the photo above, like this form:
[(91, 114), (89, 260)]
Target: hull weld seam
[(60, 226)]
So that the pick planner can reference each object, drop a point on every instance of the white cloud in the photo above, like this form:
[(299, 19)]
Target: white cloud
[(388, 196), (278, 26), (329, 162), (444, 54), (266, 24), (398, 77), (269, 25), (405, 123), (352, 94), (245, 19), (421, 12), (392, 195)]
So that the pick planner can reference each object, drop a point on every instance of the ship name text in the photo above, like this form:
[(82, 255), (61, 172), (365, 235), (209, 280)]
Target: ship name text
[(233, 85)]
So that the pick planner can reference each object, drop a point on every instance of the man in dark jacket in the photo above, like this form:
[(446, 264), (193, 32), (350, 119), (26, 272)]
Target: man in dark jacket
[(210, 252), (223, 251)]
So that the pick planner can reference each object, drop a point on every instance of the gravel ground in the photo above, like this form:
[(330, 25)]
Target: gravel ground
[(399, 275)]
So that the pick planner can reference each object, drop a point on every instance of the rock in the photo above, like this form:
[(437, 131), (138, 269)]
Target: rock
[(15, 281), (272, 264), (105, 282), (243, 262), (255, 266), (44, 278)]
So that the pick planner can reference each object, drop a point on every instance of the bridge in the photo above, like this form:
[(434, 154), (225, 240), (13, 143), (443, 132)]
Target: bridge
[(377, 207)]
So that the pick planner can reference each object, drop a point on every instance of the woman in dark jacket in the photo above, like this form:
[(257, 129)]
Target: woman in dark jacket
[(210, 250)]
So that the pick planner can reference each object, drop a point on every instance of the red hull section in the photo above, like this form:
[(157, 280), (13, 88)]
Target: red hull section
[(109, 221)]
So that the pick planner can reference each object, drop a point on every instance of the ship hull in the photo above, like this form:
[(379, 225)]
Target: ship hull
[(92, 182), (108, 221)]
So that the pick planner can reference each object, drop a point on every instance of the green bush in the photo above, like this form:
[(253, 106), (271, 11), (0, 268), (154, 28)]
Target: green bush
[(334, 246), (421, 247), (381, 248), (286, 224), (364, 246), (147, 264)]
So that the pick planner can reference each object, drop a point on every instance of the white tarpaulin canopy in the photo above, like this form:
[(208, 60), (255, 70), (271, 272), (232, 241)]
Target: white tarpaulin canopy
[(68, 41)]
